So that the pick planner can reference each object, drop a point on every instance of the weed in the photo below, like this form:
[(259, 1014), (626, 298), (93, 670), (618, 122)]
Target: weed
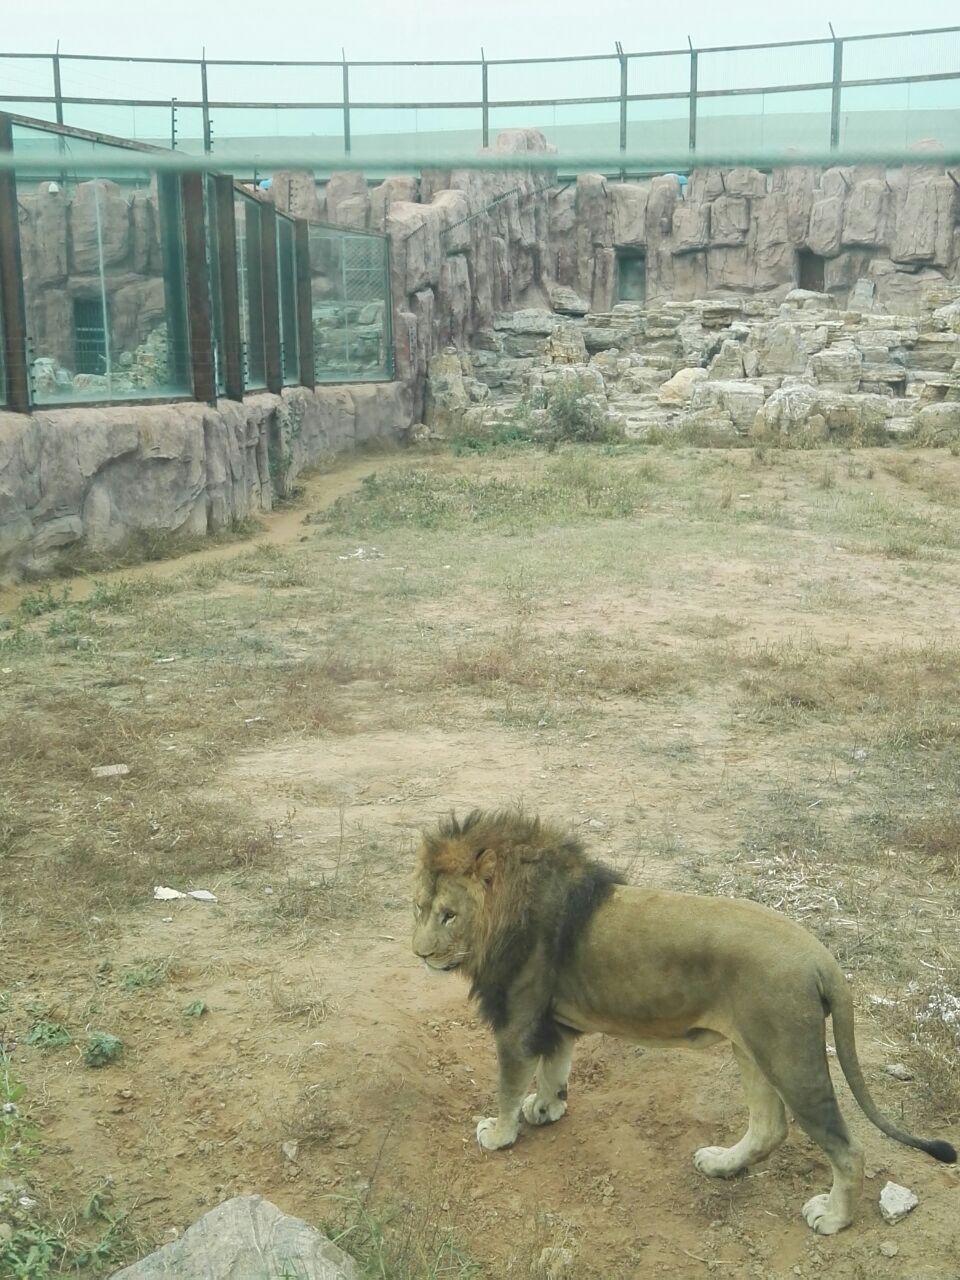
[(48, 1035), (148, 973), (398, 1243), (43, 600), (196, 1009), (102, 1049)]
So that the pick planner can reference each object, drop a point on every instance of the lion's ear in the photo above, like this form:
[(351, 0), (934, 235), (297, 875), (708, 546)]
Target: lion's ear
[(485, 865)]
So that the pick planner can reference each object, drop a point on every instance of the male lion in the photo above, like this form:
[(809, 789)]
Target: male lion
[(556, 945)]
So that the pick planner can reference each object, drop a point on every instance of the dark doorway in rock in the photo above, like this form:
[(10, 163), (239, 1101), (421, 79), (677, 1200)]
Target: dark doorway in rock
[(810, 271), (89, 336), (631, 275)]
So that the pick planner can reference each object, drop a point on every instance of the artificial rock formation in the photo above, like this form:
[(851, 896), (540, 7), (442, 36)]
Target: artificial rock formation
[(100, 476), (469, 246), (800, 370)]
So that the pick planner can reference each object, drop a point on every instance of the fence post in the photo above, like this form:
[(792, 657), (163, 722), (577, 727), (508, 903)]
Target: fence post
[(231, 337), (13, 316), (623, 100), (57, 90), (346, 103), (693, 95), (270, 292), (205, 98), (836, 92), (198, 297), (173, 124), (308, 372), (485, 98)]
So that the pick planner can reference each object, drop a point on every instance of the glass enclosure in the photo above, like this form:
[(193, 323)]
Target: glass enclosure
[(250, 288), (140, 282), (350, 291), (103, 281)]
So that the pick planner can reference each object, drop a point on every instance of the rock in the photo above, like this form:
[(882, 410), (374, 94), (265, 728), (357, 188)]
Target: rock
[(566, 301), (826, 227), (861, 297), (99, 226), (679, 388), (727, 364), (888, 1249), (729, 220), (566, 346), (898, 1071), (865, 214), (926, 213), (290, 1150), (839, 366), (740, 400), (347, 200), (391, 191), (246, 1237), (937, 424), (896, 1202), (691, 227), (629, 200), (446, 393), (529, 320)]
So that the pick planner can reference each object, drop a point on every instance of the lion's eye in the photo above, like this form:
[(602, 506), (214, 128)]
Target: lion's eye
[(447, 916)]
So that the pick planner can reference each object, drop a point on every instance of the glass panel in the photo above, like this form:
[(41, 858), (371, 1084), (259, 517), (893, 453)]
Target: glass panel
[(658, 127), (436, 134), (523, 81), (351, 306), (767, 122), (918, 55), (152, 125), (898, 115), (663, 73), (121, 78), (30, 77), (237, 83), (3, 368), (764, 68), (287, 287), (250, 288), (212, 237), (104, 284), (575, 130), (445, 83)]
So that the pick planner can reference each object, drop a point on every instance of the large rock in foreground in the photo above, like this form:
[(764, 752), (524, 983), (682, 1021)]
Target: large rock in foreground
[(242, 1239)]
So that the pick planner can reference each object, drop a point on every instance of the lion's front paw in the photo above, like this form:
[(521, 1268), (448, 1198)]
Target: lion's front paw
[(537, 1110), (824, 1219), (493, 1137), (716, 1162)]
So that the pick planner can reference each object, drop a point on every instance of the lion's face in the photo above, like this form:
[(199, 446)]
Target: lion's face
[(444, 910)]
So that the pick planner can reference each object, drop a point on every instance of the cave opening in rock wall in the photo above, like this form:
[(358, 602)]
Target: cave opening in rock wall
[(810, 271), (631, 275)]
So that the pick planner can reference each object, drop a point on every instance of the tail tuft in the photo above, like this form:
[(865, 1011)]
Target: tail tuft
[(940, 1151)]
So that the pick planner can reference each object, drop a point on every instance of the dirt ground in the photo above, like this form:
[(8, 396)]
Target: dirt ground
[(729, 673)]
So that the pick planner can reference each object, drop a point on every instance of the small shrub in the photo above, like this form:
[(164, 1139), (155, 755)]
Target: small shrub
[(48, 1035), (573, 412), (43, 600), (102, 1049)]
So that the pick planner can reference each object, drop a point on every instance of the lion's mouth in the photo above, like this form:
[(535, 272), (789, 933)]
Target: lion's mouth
[(443, 968)]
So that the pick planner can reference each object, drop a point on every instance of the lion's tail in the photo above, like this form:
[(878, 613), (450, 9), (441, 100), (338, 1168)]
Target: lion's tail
[(840, 1002)]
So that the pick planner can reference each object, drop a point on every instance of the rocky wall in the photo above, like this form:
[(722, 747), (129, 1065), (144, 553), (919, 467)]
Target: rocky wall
[(468, 245), (97, 477)]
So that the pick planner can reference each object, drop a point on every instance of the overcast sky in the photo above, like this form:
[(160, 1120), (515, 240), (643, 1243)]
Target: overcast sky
[(384, 29)]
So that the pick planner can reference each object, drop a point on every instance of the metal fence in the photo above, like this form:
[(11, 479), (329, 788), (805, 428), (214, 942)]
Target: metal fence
[(891, 88)]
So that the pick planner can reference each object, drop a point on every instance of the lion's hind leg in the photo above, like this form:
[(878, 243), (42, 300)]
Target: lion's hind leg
[(766, 1130), (801, 1074), (550, 1100)]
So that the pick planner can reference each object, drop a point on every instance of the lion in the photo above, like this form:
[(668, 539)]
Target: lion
[(556, 946)]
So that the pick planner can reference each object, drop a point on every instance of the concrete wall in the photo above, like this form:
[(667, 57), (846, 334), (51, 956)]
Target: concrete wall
[(98, 476)]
